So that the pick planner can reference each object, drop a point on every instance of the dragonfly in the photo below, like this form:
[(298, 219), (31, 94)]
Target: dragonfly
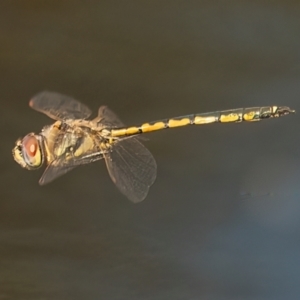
[(74, 140)]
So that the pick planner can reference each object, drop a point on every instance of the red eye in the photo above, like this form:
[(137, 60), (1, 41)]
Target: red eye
[(30, 144)]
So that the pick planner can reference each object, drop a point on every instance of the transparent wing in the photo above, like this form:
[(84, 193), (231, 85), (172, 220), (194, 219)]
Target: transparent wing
[(53, 171), (132, 168), (59, 107), (107, 118), (61, 166), (130, 164)]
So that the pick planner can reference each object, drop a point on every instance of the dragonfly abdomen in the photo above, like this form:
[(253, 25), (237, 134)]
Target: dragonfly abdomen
[(226, 116)]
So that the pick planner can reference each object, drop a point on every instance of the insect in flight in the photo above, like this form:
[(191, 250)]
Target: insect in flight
[(73, 140)]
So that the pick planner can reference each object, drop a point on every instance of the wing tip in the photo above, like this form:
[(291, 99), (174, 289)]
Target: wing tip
[(31, 103), (36, 96)]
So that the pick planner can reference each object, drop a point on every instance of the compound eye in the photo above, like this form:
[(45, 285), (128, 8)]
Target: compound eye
[(31, 151), (30, 145)]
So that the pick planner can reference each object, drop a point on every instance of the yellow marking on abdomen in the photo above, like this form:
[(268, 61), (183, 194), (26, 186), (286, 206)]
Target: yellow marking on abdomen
[(118, 132), (178, 123), (229, 118), (132, 130), (204, 120), (152, 127), (250, 116)]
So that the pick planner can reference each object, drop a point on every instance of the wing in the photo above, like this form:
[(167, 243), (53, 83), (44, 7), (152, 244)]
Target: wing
[(59, 107), (132, 168), (107, 118), (53, 171), (61, 166), (130, 164)]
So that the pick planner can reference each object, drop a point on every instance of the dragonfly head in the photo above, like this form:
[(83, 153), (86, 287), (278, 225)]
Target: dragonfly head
[(28, 152)]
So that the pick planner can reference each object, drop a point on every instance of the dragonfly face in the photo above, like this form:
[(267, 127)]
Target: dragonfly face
[(28, 152)]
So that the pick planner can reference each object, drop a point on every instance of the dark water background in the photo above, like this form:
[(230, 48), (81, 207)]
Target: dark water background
[(222, 220)]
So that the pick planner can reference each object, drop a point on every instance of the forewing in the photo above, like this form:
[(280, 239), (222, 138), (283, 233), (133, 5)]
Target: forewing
[(53, 171), (61, 166), (59, 107), (132, 168)]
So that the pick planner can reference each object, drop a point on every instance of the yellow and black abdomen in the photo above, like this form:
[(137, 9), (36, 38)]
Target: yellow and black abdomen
[(226, 116)]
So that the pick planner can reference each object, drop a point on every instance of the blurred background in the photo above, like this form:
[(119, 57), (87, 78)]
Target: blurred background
[(222, 219)]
